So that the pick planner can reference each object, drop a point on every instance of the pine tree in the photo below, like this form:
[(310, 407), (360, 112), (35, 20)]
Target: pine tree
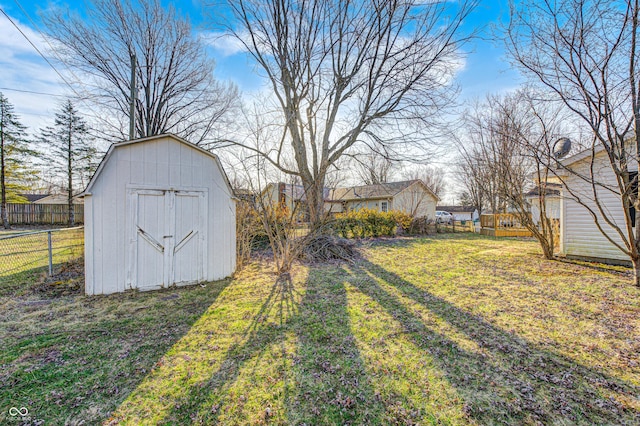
[(14, 150), (70, 149)]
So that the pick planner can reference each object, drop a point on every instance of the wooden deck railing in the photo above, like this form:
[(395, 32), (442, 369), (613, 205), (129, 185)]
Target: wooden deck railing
[(503, 225)]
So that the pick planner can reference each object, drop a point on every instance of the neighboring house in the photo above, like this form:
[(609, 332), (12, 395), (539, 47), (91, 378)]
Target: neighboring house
[(580, 237), (159, 212), (246, 195), (33, 198), (60, 199), (412, 197), (552, 201), (291, 196), (461, 212)]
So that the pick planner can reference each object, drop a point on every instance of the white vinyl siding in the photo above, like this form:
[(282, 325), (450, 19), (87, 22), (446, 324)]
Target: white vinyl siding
[(160, 163), (580, 235), (364, 204), (416, 200)]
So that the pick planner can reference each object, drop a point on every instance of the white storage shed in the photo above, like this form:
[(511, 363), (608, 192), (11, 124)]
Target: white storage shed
[(159, 211)]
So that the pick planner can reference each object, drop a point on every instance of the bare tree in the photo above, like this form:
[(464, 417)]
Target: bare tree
[(508, 157), (586, 53), (373, 166), (350, 73), (467, 175), (480, 150), (432, 176), (178, 92)]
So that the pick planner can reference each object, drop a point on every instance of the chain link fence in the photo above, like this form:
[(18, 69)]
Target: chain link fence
[(48, 249)]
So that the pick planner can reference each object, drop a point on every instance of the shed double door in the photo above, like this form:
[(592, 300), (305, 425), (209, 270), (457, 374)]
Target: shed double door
[(167, 242)]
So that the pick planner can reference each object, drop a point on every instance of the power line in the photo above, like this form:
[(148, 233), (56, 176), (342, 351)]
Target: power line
[(39, 52), (31, 91), (53, 50), (46, 40)]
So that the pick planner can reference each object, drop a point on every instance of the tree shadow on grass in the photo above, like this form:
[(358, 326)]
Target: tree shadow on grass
[(332, 386), (320, 377), (211, 398), (81, 356), (508, 380)]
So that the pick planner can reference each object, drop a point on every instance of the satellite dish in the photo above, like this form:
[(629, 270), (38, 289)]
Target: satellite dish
[(561, 147)]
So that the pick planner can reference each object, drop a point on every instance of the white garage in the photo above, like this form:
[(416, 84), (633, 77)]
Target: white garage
[(159, 211)]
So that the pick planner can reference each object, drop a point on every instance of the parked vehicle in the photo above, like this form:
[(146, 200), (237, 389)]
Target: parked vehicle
[(444, 217)]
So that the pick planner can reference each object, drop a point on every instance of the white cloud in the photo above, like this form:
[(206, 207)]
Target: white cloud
[(225, 44), (24, 71)]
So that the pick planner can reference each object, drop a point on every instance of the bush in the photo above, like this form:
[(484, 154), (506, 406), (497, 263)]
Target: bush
[(366, 223), (422, 225), (255, 227), (248, 230)]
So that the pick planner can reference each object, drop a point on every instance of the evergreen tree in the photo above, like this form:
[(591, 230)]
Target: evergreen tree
[(14, 152), (70, 150)]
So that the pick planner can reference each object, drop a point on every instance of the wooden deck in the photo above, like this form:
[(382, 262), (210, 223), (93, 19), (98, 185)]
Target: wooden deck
[(502, 225)]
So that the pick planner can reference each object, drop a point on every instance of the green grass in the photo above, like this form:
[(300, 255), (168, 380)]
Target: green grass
[(453, 329), (28, 251)]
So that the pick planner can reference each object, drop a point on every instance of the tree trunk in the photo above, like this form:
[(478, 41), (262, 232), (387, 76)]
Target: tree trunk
[(315, 202), (5, 217), (72, 218), (547, 249), (547, 242), (636, 270), (3, 187)]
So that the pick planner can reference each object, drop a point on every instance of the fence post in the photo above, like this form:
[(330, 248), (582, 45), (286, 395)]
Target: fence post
[(49, 245)]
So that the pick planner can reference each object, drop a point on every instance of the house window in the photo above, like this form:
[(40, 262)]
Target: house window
[(633, 178), (384, 206)]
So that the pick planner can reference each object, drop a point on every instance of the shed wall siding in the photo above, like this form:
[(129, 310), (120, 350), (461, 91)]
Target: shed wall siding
[(161, 164), (580, 235)]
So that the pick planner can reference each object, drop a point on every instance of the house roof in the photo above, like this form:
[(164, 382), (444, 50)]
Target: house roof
[(551, 189), (595, 149), (585, 153), (457, 209), (298, 193), (59, 199), (118, 145), (382, 190), (33, 197), (244, 193)]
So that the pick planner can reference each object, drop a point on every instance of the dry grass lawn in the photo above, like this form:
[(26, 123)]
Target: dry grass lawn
[(451, 329)]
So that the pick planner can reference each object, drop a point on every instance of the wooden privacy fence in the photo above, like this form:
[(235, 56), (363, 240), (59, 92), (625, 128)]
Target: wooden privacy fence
[(43, 214), (502, 225)]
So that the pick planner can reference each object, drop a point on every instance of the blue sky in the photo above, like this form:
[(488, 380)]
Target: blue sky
[(485, 70)]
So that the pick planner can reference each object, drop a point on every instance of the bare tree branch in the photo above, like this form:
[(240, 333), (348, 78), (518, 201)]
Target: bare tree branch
[(177, 92), (342, 72)]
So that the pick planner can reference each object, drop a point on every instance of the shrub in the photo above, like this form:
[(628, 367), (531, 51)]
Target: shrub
[(248, 232), (256, 228), (422, 225), (402, 220), (366, 223)]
